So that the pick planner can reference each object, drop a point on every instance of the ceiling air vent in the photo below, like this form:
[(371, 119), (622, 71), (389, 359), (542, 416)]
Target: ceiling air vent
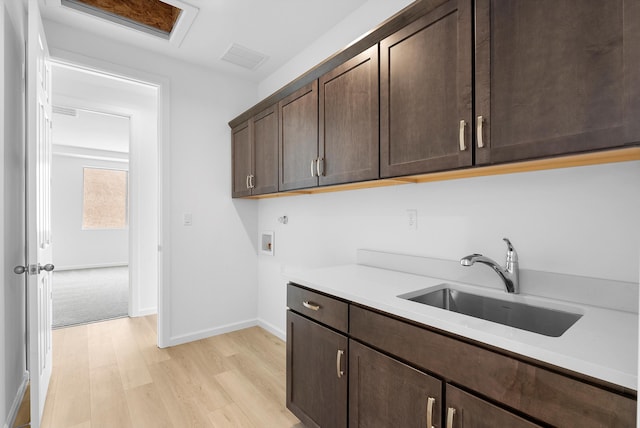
[(244, 57)]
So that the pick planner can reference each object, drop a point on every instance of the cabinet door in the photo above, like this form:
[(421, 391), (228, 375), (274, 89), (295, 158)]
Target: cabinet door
[(425, 93), (241, 156), (349, 143), (384, 392), (468, 411), (299, 138), (265, 151), (316, 390), (544, 394), (556, 76)]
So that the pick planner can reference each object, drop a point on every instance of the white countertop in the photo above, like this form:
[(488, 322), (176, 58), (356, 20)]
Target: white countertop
[(603, 343)]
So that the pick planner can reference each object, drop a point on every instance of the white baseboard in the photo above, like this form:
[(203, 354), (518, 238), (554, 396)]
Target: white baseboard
[(144, 312), (94, 266), (272, 329), (15, 406), (203, 334)]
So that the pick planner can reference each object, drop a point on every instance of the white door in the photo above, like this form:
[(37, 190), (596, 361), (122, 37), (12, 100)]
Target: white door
[(38, 213)]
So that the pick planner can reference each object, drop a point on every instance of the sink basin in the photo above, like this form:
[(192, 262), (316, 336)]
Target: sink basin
[(549, 322)]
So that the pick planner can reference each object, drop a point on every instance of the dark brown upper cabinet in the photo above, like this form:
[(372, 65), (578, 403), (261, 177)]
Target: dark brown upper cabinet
[(426, 93), (545, 78), (555, 77), (255, 155), (349, 144), (241, 160), (265, 152), (299, 138)]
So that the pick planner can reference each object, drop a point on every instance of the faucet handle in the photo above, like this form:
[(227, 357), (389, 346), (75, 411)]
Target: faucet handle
[(512, 255)]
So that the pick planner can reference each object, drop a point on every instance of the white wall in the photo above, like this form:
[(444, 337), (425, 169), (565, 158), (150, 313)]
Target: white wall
[(579, 221), (3, 346), (12, 289), (352, 27), (74, 247), (210, 279)]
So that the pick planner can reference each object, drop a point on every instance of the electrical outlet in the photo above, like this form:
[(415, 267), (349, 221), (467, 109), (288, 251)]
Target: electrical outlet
[(412, 219)]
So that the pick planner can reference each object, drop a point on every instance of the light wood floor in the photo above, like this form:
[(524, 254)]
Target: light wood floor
[(112, 375)]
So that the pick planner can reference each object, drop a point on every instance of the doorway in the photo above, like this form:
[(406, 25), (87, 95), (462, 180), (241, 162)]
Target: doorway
[(90, 204), (105, 138)]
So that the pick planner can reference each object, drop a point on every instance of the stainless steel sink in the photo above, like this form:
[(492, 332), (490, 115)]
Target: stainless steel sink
[(549, 322)]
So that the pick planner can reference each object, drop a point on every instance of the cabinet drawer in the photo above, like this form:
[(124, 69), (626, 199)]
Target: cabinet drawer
[(543, 394), (324, 309)]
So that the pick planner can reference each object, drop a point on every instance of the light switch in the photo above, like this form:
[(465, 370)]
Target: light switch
[(187, 219)]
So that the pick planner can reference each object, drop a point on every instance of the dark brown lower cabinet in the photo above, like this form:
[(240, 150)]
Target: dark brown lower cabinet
[(541, 393), (317, 378), (383, 392), (464, 410), (378, 370)]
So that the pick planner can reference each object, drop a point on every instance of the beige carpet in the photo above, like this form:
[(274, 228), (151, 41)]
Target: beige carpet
[(89, 295)]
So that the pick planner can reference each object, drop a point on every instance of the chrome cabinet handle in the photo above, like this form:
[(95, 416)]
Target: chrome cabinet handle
[(479, 132), (251, 184), (247, 182), (313, 172), (310, 305), (319, 170), (450, 413), (463, 146), (430, 402), (339, 355)]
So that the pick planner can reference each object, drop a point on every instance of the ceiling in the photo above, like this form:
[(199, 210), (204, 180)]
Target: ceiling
[(279, 29), (103, 105), (92, 130)]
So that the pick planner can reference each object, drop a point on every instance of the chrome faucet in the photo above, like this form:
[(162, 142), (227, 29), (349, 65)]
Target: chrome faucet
[(509, 273)]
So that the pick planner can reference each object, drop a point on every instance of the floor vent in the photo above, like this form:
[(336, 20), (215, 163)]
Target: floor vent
[(244, 57)]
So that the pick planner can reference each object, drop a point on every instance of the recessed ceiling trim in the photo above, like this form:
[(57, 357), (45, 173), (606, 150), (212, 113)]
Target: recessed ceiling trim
[(181, 28)]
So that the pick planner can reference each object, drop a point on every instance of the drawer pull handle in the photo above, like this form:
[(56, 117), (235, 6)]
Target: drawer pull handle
[(450, 413), (479, 132), (310, 305), (430, 402), (463, 146), (339, 355)]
